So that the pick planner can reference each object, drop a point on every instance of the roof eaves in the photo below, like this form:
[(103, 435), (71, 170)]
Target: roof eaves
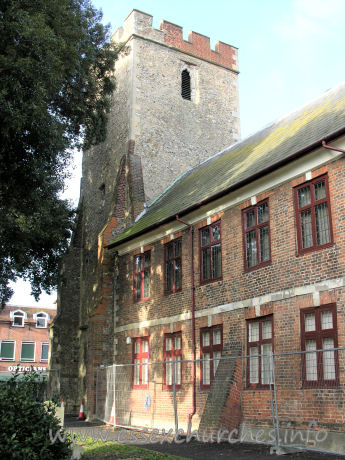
[(233, 187)]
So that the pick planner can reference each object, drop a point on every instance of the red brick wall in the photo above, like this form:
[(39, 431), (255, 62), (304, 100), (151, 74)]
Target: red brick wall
[(295, 404), (199, 45), (286, 271), (237, 285)]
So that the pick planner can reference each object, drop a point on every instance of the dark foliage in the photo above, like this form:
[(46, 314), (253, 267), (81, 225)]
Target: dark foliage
[(25, 422), (56, 80)]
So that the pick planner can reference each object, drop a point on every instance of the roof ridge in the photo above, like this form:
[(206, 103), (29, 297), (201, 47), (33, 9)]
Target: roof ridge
[(36, 307), (306, 104)]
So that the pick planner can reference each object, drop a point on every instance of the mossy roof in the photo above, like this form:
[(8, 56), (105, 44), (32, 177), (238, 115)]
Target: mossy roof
[(257, 154)]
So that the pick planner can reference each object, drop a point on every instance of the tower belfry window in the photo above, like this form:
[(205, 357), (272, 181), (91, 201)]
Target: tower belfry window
[(185, 85)]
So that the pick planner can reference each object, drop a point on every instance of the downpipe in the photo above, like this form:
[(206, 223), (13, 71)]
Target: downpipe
[(191, 243)]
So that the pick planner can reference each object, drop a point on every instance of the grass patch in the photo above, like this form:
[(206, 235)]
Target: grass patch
[(113, 450)]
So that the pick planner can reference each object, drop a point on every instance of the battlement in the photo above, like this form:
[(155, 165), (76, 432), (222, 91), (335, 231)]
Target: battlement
[(171, 34), (199, 45)]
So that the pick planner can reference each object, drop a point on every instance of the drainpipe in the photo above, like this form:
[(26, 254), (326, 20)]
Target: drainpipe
[(332, 148), (191, 241)]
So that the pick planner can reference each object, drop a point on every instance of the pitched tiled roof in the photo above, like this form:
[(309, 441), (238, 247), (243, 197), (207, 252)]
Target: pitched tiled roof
[(30, 311), (279, 142)]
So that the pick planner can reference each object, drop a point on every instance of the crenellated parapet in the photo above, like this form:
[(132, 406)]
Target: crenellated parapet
[(139, 23), (199, 45)]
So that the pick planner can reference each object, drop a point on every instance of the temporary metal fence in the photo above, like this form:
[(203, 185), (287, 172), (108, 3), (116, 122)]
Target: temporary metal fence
[(121, 402), (289, 400)]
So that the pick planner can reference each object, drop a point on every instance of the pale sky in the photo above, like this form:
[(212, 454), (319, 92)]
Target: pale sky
[(290, 51)]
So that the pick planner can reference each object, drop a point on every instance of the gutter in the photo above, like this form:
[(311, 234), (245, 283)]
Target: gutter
[(294, 156), (332, 148), (191, 242)]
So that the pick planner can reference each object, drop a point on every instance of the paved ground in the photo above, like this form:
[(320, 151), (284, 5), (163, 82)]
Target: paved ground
[(201, 451)]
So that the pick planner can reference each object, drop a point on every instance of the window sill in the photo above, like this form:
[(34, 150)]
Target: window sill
[(258, 387), (167, 293), (317, 385), (258, 266), (171, 387), (302, 252), (203, 282), (142, 300), (205, 387)]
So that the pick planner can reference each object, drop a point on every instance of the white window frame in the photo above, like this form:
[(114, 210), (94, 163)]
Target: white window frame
[(14, 350), (21, 348), (44, 360), (46, 317), (22, 314)]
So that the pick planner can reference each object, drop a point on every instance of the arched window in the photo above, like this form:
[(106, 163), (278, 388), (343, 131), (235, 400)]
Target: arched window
[(41, 319), (18, 317), (186, 92)]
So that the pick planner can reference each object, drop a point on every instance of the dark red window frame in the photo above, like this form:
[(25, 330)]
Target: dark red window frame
[(318, 335), (173, 259), (172, 353), (313, 204), (203, 247), (210, 349), (142, 274), (140, 356), (258, 344), (256, 227)]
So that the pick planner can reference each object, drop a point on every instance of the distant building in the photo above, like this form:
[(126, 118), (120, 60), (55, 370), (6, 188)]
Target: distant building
[(24, 339)]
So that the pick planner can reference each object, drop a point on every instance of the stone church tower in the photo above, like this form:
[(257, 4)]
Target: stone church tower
[(175, 104)]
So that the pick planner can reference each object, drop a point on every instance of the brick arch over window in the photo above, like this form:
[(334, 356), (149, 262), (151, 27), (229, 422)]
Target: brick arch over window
[(186, 89)]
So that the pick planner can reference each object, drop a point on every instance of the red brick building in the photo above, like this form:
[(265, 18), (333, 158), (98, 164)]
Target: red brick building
[(244, 255), (241, 257), (24, 338)]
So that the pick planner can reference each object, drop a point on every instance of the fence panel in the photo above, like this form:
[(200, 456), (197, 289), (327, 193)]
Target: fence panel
[(310, 395), (105, 387), (283, 399), (136, 395)]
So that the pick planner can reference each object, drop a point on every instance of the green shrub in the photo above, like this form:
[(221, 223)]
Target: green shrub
[(26, 422)]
